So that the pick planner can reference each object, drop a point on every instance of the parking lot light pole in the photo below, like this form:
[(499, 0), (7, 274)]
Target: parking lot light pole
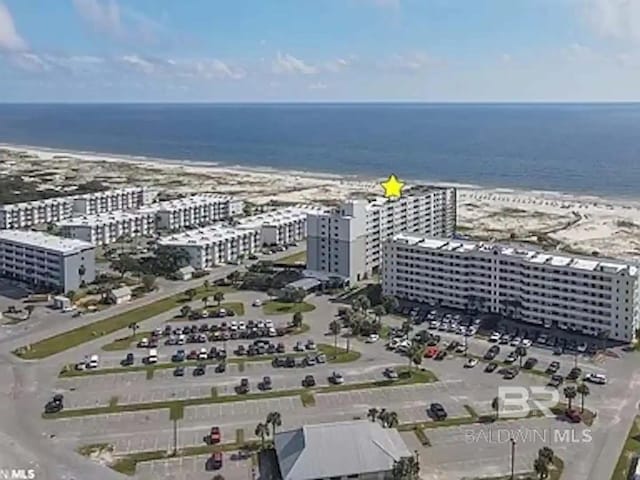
[(513, 457)]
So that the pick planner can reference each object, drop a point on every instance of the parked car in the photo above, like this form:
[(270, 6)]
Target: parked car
[(336, 378), (215, 461), (215, 436), (390, 373), (555, 381), (321, 358), (574, 374), (573, 415), (178, 372), (128, 360), (309, 381), (199, 370), (437, 411), (244, 386), (442, 354), (491, 366), (510, 373), (372, 338), (470, 363), (598, 378), (553, 367), (266, 383), (530, 363)]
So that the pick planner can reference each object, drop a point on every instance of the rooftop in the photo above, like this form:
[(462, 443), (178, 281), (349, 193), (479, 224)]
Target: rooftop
[(280, 216), (193, 201), (45, 241), (105, 218), (524, 252), (109, 193), (203, 236), (338, 450)]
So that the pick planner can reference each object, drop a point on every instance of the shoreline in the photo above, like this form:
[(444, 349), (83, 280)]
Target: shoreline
[(574, 223), (154, 162)]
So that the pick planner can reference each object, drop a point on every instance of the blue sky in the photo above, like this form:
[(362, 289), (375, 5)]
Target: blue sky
[(319, 50)]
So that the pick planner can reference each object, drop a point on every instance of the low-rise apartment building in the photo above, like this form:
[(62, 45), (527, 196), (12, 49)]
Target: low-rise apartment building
[(348, 240), (46, 261), (107, 228), (281, 226), (95, 203), (197, 211), (215, 245), (590, 295), (37, 212)]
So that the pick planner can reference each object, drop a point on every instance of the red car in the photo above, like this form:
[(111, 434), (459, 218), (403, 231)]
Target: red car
[(573, 415), (215, 436), (215, 461), (193, 355), (430, 352)]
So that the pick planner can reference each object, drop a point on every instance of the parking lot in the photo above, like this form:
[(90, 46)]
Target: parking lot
[(234, 467)]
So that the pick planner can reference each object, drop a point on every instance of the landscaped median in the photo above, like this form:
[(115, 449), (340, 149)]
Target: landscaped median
[(630, 451), (416, 377), (78, 336), (275, 307)]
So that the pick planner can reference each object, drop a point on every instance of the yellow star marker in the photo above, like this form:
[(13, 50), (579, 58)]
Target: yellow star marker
[(392, 187)]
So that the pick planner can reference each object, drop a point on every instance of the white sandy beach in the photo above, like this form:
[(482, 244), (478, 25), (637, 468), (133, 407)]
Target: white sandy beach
[(575, 223)]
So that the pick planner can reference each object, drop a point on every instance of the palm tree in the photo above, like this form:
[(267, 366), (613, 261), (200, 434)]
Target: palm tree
[(541, 467), (275, 419), (584, 391), (379, 311), (218, 297), (382, 415), (29, 309), (185, 311), (205, 301), (206, 285), (190, 293), (391, 420), (521, 352), (335, 328), (261, 431), (414, 354), (407, 468), (134, 327), (570, 393), (496, 406), (407, 327), (546, 454), (372, 414), (297, 319)]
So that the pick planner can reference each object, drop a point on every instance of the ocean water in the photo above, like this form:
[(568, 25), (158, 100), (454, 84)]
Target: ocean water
[(576, 148)]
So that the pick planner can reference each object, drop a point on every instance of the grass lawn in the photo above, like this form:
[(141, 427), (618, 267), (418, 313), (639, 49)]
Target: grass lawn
[(274, 307), (555, 473), (77, 336), (125, 343), (629, 451), (417, 376), (296, 258), (342, 356)]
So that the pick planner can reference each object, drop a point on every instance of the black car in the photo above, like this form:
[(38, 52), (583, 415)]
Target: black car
[(441, 355), (240, 350), (52, 407), (510, 373), (491, 366), (530, 363), (279, 362), (290, 362), (574, 374), (199, 370), (556, 381), (489, 355), (243, 387), (271, 349), (309, 381), (437, 411), (221, 367), (179, 372), (280, 348), (553, 367), (266, 383), (128, 360)]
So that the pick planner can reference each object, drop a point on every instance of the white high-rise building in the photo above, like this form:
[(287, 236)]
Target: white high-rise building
[(95, 203), (197, 211), (37, 212), (46, 261), (106, 228), (347, 241), (281, 226), (590, 295), (211, 246)]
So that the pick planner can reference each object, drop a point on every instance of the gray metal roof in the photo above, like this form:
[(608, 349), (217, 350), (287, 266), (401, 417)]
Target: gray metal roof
[(305, 283), (338, 449), (120, 292)]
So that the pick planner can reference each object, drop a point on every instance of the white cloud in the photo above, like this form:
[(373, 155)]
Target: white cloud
[(205, 68), (409, 62), (103, 16), (30, 62), (337, 65), (506, 58), (616, 19), (10, 39), (288, 64), (138, 63), (317, 86)]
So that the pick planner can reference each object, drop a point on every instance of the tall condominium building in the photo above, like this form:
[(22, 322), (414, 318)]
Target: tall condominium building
[(197, 211), (282, 226), (37, 212), (46, 261), (95, 203), (211, 246), (347, 241), (106, 228), (590, 295)]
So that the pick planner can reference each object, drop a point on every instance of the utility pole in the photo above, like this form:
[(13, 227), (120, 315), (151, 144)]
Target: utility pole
[(513, 457), (175, 436)]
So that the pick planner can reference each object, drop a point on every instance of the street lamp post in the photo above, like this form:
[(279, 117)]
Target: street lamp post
[(513, 457)]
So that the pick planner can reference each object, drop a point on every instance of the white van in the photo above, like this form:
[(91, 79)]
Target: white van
[(204, 353), (93, 361), (153, 356)]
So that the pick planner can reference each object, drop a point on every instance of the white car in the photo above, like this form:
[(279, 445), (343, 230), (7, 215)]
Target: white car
[(337, 378), (526, 343), (515, 342), (472, 362), (582, 347), (257, 303), (268, 323), (495, 336), (598, 378), (374, 337)]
